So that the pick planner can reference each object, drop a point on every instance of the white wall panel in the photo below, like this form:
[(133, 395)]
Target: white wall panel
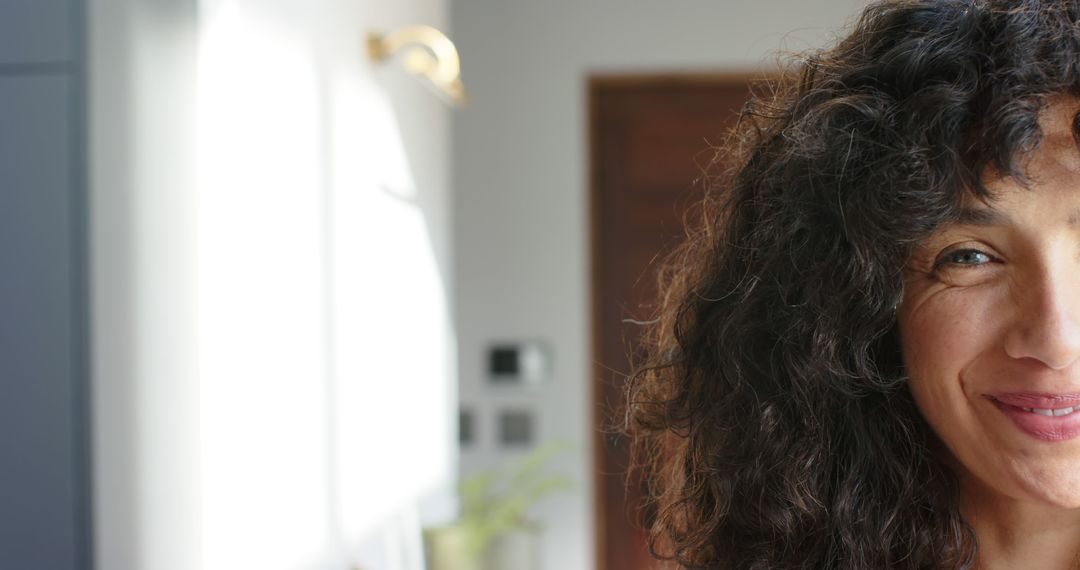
[(251, 263)]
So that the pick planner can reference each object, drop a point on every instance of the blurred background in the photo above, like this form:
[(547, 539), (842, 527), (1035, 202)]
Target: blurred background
[(279, 293)]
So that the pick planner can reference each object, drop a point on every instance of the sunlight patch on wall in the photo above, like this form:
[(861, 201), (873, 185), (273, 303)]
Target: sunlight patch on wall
[(391, 320), (261, 294), (325, 377)]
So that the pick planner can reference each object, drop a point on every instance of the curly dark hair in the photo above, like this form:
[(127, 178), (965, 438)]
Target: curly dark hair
[(771, 414)]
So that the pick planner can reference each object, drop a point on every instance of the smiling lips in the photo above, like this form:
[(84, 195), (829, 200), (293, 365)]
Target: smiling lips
[(1047, 417)]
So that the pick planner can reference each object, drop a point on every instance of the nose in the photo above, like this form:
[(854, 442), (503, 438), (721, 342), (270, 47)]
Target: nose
[(1047, 322)]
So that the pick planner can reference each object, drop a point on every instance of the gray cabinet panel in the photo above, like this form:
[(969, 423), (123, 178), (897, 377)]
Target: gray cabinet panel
[(37, 362), (33, 31)]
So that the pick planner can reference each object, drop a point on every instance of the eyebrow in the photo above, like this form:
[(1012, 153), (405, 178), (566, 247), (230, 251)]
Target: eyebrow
[(982, 217), (989, 217)]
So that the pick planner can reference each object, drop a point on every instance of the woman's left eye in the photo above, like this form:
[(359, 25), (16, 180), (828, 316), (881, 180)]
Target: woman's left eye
[(968, 257)]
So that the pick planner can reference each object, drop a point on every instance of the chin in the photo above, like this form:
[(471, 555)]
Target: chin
[(1020, 478), (1052, 488), (1059, 499)]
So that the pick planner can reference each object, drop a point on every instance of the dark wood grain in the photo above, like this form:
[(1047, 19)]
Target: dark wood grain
[(650, 139)]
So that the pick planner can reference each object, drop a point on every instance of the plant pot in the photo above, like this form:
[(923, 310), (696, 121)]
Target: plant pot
[(447, 549), (514, 549)]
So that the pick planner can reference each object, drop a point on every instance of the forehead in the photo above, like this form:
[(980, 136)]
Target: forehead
[(1053, 167), (1057, 155)]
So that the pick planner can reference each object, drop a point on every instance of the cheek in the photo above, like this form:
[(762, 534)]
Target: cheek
[(935, 345), (944, 339)]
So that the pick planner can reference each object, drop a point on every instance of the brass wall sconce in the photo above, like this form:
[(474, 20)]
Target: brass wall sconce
[(430, 54)]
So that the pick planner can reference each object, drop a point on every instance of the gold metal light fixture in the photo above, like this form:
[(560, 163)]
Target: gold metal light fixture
[(428, 52)]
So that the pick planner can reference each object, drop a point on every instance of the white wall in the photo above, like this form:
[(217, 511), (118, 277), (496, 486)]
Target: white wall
[(270, 213), (521, 189), (142, 256)]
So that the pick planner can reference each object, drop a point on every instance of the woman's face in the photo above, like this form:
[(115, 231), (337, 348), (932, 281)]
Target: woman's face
[(990, 328)]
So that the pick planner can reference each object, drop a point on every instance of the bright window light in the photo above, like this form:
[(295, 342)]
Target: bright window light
[(262, 328), (323, 330), (390, 319)]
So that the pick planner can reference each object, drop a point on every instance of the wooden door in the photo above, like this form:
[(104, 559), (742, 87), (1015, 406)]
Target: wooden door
[(651, 139)]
